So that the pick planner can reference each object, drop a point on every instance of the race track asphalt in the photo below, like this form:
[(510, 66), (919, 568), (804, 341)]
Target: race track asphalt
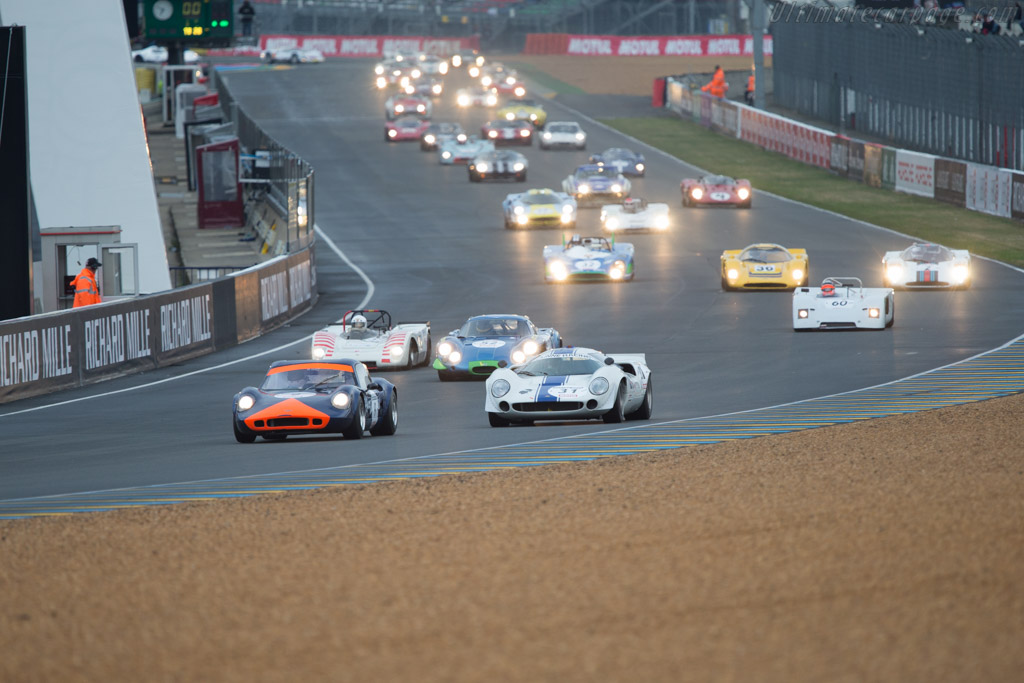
[(434, 247)]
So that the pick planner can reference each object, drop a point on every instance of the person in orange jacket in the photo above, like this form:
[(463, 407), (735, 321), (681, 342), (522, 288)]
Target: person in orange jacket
[(87, 289), (717, 86), (748, 95)]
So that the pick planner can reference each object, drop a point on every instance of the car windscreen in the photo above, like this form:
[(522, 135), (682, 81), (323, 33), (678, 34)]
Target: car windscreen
[(599, 172), (616, 153), (718, 180), (561, 365), (927, 253), (495, 327), (545, 198), (324, 378), (561, 128), (765, 255)]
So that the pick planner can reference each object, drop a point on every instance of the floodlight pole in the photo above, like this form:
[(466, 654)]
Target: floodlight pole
[(758, 23)]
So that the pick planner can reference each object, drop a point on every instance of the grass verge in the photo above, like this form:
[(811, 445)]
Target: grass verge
[(544, 80), (998, 238)]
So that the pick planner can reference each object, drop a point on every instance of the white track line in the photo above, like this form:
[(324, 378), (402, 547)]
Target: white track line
[(362, 304)]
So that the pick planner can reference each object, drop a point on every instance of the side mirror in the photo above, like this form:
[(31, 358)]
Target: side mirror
[(609, 360), (502, 364)]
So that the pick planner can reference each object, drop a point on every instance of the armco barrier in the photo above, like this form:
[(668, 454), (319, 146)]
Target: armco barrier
[(997, 191), (642, 46), (67, 349)]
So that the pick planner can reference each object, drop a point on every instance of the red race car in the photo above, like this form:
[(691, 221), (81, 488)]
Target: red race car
[(508, 132), (405, 128), (716, 190), (400, 105)]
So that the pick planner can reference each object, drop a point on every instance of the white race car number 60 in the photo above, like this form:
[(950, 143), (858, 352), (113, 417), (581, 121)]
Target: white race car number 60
[(839, 303)]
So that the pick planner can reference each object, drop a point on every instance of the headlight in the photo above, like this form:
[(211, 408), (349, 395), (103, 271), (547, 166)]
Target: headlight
[(416, 73), (510, 80), (382, 82), (480, 60), (510, 116), (598, 386), (696, 193), (456, 60), (520, 91), (640, 167), (482, 167), (500, 388), (558, 270), (873, 312), (566, 208), (443, 68), (463, 100), (960, 273), (518, 210), (802, 313), (454, 357), (518, 356), (567, 218), (444, 348), (379, 69), (522, 219), (429, 138), (581, 136), (584, 189), (519, 166), (743, 193), (798, 274), (531, 347), (396, 351), (399, 108), (524, 133), (245, 403), (436, 89), (612, 223), (894, 273), (461, 137), (486, 81), (392, 132), (546, 136), (404, 82), (492, 100), (617, 270), (340, 401), (492, 133), (533, 117), (446, 154), (474, 71), (421, 108), (319, 353), (409, 90), (732, 274), (616, 188), (661, 222)]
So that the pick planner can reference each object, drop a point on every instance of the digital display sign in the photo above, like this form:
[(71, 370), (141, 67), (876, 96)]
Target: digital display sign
[(188, 21)]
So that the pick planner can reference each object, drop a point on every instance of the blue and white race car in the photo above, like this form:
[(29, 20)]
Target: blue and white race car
[(539, 208), (454, 151), (597, 185), (589, 259), (486, 342), (625, 161), (571, 384)]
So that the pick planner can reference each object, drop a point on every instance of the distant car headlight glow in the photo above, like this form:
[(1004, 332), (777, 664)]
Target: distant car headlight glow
[(510, 116), (446, 154), (245, 403), (520, 91), (519, 166), (482, 167), (474, 71), (524, 133), (584, 189), (319, 353), (416, 73), (567, 208), (522, 219), (463, 100), (443, 68), (598, 386), (581, 136), (456, 60), (486, 81), (429, 138), (382, 82), (392, 133), (558, 270), (533, 117), (492, 100), (612, 223), (546, 136), (492, 133), (567, 218), (743, 193), (617, 271), (661, 222), (340, 401), (436, 89), (518, 210), (640, 168), (531, 347), (399, 108), (894, 273), (500, 388), (421, 108), (960, 273), (379, 69), (410, 90), (616, 187), (454, 357), (798, 274), (802, 313), (518, 356), (510, 80), (461, 137), (873, 312), (696, 193), (445, 348)]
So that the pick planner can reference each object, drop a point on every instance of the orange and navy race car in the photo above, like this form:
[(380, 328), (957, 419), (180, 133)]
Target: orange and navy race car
[(716, 190), (325, 397)]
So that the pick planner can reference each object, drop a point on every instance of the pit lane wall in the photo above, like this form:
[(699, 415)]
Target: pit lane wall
[(996, 191), (62, 350), (642, 46)]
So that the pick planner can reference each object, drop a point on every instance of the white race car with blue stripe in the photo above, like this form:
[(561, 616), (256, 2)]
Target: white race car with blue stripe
[(571, 384)]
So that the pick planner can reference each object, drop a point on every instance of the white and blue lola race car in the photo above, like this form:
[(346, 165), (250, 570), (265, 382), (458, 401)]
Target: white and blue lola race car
[(843, 303), (455, 151), (596, 185), (571, 384), (589, 259)]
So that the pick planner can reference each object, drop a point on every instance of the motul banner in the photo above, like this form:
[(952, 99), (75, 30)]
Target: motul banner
[(367, 46), (663, 46), (915, 173), (794, 139)]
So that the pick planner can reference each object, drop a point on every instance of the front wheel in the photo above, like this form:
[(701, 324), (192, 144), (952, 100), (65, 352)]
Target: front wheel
[(521, 178), (615, 415), (389, 423), (445, 376), (240, 436), (496, 420), (357, 426), (645, 409)]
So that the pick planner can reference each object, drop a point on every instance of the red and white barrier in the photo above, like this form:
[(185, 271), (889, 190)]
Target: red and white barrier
[(643, 46), (368, 46), (794, 139)]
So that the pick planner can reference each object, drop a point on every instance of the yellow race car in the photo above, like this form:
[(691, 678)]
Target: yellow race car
[(524, 109), (764, 266)]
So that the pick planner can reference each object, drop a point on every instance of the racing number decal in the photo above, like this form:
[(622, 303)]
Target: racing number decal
[(587, 265), (839, 303), (764, 269), (373, 406)]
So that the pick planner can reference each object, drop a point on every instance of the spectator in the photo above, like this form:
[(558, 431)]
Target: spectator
[(246, 12), (87, 289), (748, 94), (989, 26), (717, 86), (1018, 17)]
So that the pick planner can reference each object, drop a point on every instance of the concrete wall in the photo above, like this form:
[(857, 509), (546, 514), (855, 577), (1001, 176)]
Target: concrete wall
[(87, 143)]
